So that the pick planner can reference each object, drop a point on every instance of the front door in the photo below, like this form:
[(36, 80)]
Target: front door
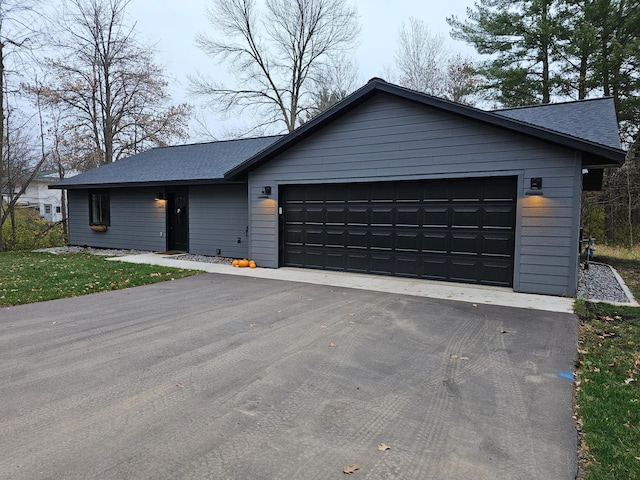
[(178, 220)]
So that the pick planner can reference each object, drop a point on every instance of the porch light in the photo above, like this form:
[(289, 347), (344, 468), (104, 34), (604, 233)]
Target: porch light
[(160, 196), (266, 191), (535, 187)]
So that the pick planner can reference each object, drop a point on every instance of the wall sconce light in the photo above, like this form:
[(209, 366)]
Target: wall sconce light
[(266, 191), (535, 186), (160, 196)]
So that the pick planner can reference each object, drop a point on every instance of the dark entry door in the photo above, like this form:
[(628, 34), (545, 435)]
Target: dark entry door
[(459, 230), (178, 220)]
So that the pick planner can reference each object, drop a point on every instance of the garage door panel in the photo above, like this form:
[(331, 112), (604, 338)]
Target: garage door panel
[(435, 242), (498, 217), (496, 244), (452, 229), (336, 215), (315, 216), (466, 217), (358, 216), (435, 217), (465, 244), (335, 238), (408, 216), (408, 242), (357, 239), (381, 216), (314, 237)]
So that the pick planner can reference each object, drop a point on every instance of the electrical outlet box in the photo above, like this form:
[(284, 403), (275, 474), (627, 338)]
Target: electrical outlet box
[(162, 234)]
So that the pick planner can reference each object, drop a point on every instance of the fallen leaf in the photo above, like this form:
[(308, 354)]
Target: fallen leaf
[(638, 458), (179, 385), (349, 469), (475, 304), (630, 380), (383, 446), (323, 326), (453, 356), (252, 324), (332, 344)]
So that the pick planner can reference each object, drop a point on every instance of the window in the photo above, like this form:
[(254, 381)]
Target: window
[(58, 209), (47, 209), (99, 208)]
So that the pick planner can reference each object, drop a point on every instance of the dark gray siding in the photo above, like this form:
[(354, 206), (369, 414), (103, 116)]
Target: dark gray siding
[(137, 220), (218, 217), (392, 139)]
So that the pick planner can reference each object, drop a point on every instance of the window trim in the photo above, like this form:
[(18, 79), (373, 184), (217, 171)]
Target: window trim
[(105, 207)]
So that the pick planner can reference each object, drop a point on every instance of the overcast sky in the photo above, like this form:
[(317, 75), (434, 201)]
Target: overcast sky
[(171, 25)]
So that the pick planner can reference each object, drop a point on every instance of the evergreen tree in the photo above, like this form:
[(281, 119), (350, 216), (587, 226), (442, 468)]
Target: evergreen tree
[(519, 36)]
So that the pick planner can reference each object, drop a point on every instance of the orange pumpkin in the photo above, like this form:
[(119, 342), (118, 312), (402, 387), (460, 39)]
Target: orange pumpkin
[(252, 264), (243, 263), (235, 263)]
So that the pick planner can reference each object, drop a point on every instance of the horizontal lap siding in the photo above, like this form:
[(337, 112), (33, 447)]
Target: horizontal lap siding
[(218, 216), (137, 220), (391, 139)]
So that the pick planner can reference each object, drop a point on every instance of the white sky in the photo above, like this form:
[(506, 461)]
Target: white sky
[(171, 25)]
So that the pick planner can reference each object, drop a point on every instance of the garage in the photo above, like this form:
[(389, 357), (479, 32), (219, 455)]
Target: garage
[(460, 230)]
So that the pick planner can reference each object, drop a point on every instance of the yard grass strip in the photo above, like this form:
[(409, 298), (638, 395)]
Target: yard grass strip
[(27, 277), (608, 391)]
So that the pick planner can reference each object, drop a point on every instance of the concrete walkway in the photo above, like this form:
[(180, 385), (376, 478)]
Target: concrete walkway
[(477, 294)]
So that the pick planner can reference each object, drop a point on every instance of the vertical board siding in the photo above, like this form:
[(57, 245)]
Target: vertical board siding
[(137, 220), (218, 217), (394, 139)]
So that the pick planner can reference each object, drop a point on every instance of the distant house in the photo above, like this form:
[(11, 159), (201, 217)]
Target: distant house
[(39, 197), (389, 181)]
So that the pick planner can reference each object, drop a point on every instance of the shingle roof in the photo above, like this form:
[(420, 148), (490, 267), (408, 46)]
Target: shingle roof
[(594, 120), (200, 162)]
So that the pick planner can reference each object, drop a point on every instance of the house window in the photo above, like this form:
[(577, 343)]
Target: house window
[(58, 209), (47, 209), (99, 208)]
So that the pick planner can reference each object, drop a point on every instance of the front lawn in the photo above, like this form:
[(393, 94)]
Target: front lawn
[(27, 277), (607, 379)]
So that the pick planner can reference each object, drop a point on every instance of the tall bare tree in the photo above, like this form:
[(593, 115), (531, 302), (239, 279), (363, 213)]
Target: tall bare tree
[(276, 56), (17, 41), (114, 96), (425, 63)]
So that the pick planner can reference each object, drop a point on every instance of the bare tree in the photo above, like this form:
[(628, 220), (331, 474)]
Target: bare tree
[(334, 84), (421, 58), (276, 56), (17, 39), (113, 95), (425, 63)]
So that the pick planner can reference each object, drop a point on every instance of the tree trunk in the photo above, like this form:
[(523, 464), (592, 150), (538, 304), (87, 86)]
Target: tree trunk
[(1, 137)]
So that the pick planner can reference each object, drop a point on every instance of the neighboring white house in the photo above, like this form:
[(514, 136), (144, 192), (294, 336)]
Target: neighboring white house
[(38, 196)]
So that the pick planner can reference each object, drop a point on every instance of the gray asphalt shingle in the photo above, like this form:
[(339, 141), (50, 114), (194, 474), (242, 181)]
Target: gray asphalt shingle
[(594, 120), (200, 161)]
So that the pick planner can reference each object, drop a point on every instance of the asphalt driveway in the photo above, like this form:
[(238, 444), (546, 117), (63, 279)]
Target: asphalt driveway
[(218, 377)]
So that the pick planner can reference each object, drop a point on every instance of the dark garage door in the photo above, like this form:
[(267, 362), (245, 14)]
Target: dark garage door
[(458, 230)]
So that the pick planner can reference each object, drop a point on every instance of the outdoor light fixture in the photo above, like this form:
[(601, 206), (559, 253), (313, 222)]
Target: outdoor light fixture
[(535, 186), (160, 196), (266, 191)]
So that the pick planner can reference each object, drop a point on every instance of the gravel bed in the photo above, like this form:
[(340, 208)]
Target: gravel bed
[(202, 258), (600, 283)]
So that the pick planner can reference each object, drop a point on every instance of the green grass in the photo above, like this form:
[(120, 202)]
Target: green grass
[(626, 261), (608, 392), (27, 277)]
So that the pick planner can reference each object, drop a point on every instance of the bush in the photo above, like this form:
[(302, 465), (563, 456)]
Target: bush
[(31, 232)]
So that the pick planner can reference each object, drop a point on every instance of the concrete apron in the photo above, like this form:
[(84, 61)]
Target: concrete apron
[(479, 294)]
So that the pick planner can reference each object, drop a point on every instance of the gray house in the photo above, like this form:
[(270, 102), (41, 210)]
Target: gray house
[(389, 181)]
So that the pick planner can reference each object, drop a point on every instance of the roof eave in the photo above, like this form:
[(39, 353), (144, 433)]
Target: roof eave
[(158, 183)]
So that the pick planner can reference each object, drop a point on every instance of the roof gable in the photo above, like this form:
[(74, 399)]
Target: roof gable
[(600, 153)]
